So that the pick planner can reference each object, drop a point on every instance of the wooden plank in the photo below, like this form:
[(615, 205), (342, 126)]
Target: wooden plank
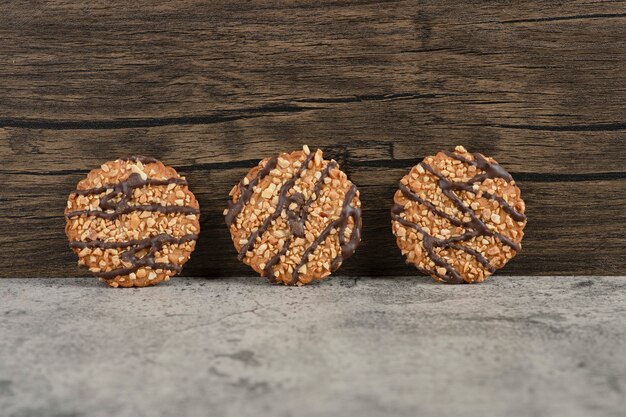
[(377, 84), (538, 64), (366, 134)]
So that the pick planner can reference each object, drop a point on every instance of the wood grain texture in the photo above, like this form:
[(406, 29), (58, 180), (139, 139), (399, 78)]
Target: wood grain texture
[(212, 87)]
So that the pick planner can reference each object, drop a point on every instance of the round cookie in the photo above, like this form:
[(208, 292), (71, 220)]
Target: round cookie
[(295, 218), (458, 216), (133, 222)]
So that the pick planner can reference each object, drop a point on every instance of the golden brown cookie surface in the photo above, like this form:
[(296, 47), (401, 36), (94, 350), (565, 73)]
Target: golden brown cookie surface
[(458, 216), (294, 218), (132, 222)]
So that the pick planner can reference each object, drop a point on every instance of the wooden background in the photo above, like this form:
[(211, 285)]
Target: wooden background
[(212, 87)]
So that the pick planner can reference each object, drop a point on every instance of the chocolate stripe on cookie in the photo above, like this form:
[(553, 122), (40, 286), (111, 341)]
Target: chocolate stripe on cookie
[(448, 187), (490, 171), (235, 208), (129, 209), (347, 211), (154, 243), (347, 248), (427, 242), (133, 180), (80, 244), (282, 200), (468, 186), (297, 219), (111, 210), (316, 190), (410, 195), (267, 270), (431, 242)]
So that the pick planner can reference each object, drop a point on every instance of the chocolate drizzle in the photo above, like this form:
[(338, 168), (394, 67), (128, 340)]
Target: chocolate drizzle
[(111, 210), (490, 170), (297, 218), (234, 208), (140, 158), (474, 228), (114, 203), (153, 244), (283, 199), (316, 190), (267, 271), (347, 248)]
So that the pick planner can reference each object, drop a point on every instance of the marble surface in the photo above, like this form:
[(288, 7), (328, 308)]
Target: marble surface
[(515, 346)]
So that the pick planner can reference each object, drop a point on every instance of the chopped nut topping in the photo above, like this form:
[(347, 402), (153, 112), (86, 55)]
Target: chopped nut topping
[(431, 225), (313, 198), (91, 234)]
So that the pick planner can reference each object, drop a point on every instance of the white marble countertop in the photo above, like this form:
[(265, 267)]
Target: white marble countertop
[(514, 346)]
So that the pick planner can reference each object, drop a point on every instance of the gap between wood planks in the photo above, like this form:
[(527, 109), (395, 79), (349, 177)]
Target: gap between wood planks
[(272, 109), (396, 163), (217, 117)]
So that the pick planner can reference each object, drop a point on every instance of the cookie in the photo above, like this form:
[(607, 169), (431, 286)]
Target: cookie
[(133, 222), (295, 217), (458, 216)]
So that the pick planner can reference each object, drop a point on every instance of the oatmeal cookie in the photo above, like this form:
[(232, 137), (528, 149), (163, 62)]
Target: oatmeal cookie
[(133, 222), (458, 216), (295, 217)]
